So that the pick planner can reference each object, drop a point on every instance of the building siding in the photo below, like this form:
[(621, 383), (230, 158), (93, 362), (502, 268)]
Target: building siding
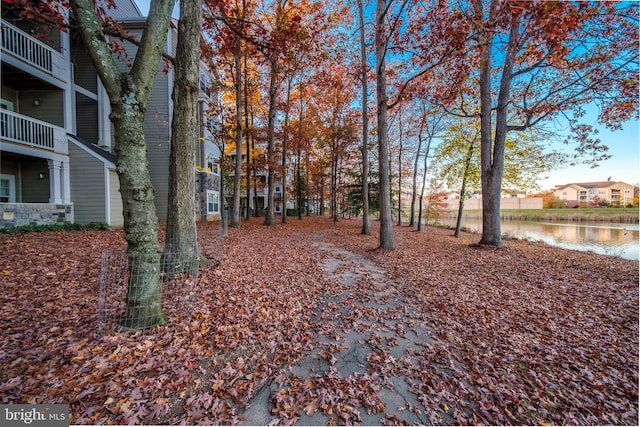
[(87, 186), (84, 73), (125, 9), (117, 218), (86, 118), (50, 109), (157, 134), (34, 189)]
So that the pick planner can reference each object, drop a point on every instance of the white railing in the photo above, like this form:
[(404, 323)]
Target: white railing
[(33, 51), (35, 133)]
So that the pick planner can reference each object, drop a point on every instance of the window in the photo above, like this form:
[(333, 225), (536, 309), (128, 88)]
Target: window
[(213, 202), (4, 190), (211, 164), (205, 83), (7, 188)]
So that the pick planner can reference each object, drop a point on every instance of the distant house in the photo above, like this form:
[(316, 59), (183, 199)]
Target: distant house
[(512, 193), (612, 192), (56, 141)]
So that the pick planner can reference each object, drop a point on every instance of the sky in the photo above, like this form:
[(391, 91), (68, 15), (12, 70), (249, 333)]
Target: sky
[(624, 148), (143, 5), (624, 164)]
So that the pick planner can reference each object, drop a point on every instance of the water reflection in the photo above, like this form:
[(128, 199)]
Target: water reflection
[(614, 239)]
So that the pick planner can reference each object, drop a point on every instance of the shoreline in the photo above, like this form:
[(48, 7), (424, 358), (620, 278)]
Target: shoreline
[(617, 215)]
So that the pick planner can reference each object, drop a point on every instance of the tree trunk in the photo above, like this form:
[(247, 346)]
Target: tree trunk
[(247, 135), (273, 90), (424, 179), (400, 171), (414, 186), (305, 195), (366, 227), (322, 197), (144, 293), (237, 178), (299, 161), (387, 240), (492, 144), (181, 240), (254, 169), (223, 174), (424, 173), (285, 138), (334, 184), (465, 175), (128, 94), (224, 226)]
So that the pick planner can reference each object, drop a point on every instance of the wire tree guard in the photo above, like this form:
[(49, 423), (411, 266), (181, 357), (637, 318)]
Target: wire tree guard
[(135, 288)]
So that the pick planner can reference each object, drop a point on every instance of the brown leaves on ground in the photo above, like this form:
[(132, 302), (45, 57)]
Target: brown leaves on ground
[(527, 334)]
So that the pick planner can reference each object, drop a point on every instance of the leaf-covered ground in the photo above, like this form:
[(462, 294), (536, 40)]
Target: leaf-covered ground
[(527, 334)]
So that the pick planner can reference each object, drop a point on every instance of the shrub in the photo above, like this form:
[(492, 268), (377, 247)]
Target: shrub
[(36, 228)]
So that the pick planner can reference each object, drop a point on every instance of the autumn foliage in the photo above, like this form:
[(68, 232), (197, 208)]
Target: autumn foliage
[(528, 334)]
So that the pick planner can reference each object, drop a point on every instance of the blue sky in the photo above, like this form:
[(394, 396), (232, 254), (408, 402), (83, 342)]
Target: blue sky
[(143, 5), (624, 164)]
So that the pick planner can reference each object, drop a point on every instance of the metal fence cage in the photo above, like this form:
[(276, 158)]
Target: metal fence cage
[(178, 276)]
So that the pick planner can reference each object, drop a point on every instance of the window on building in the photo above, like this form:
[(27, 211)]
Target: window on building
[(213, 202), (4, 191), (7, 189), (205, 83)]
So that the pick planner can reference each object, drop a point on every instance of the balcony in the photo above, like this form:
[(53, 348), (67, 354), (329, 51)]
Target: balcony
[(21, 45), (31, 132)]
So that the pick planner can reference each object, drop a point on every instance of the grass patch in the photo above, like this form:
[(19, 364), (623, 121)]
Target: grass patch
[(622, 215)]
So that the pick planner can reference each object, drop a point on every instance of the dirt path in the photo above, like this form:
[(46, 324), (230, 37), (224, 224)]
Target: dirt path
[(355, 374)]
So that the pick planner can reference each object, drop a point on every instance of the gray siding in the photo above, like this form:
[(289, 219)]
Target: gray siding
[(50, 109), (125, 9), (34, 189), (117, 219), (10, 168), (157, 129), (87, 186), (87, 118), (157, 134), (9, 94), (85, 74)]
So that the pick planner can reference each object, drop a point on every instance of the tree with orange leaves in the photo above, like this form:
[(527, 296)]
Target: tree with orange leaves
[(535, 62)]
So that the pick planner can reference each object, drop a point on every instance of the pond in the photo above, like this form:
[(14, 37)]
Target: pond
[(615, 239)]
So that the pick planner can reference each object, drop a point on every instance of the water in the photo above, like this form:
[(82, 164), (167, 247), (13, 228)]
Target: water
[(615, 239)]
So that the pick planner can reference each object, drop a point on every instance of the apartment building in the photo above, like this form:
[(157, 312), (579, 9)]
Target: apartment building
[(257, 188), (612, 192), (56, 140)]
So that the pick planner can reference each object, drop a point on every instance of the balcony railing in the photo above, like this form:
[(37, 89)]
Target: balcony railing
[(35, 133), (33, 51)]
